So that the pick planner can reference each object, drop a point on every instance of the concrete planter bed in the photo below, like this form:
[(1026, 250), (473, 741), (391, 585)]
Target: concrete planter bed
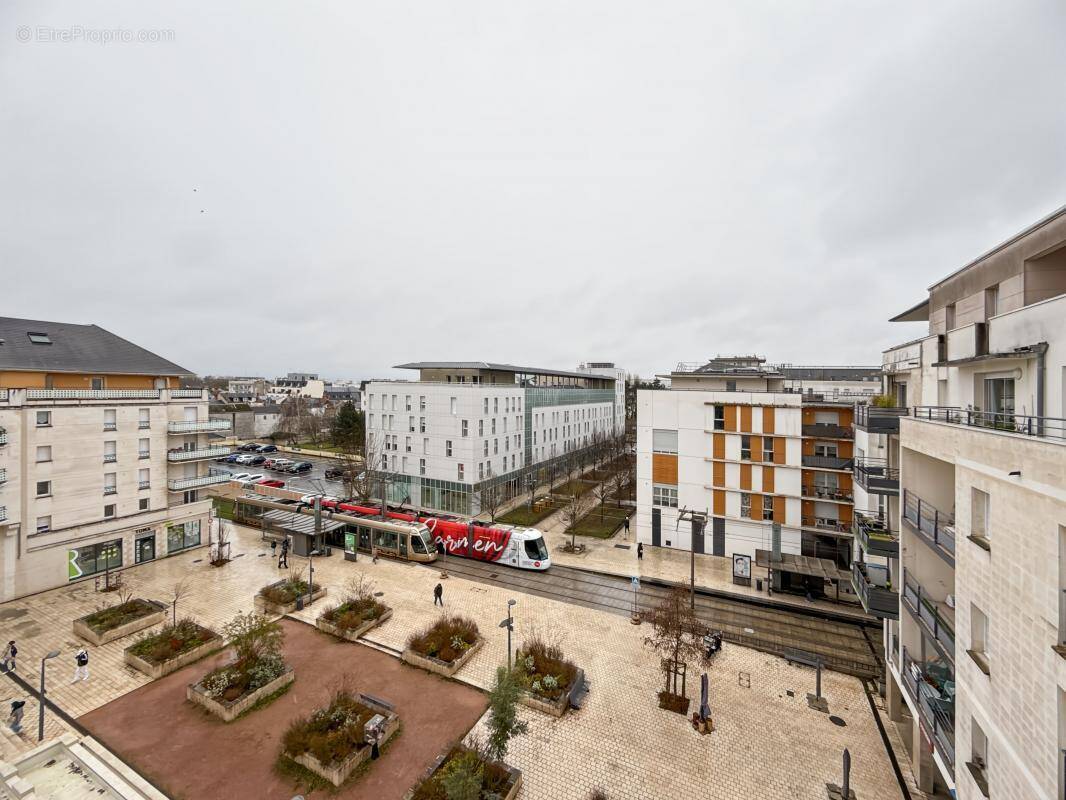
[(264, 606), (445, 668), (500, 778), (227, 710), (554, 707), (158, 670), (145, 614), (338, 772), (351, 634)]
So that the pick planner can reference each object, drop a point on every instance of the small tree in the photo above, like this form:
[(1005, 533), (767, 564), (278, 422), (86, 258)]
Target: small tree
[(253, 637), (492, 500), (503, 724), (178, 591), (463, 777), (677, 636), (348, 428), (602, 492), (571, 515), (222, 545)]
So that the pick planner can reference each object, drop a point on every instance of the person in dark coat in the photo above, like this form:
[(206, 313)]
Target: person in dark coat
[(640, 550), (14, 719), (273, 547), (438, 595), (10, 652), (626, 523), (283, 559)]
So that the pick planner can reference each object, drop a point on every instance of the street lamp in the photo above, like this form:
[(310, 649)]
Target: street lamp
[(509, 624), (40, 714)]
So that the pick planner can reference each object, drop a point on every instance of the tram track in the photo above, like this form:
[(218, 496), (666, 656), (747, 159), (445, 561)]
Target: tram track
[(843, 645)]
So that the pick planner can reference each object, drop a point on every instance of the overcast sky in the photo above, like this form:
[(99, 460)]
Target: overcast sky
[(340, 187)]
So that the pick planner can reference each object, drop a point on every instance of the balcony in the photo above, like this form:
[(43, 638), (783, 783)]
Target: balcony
[(144, 454), (934, 527), (826, 462), (872, 584), (188, 394), (110, 458), (198, 426), (184, 484), (1041, 427), (827, 430), (832, 493), (92, 394), (198, 455), (930, 614), (931, 688), (874, 536), (110, 490), (826, 525), (3, 436), (3, 513), (3, 475), (875, 476), (144, 484), (874, 419)]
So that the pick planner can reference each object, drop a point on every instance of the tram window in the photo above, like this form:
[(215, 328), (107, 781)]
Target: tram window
[(364, 538), (403, 544), (536, 550), (385, 539), (417, 545)]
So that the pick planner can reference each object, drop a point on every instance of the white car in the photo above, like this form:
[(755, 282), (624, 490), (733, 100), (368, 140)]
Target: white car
[(251, 479), (239, 476), (281, 463), (245, 459)]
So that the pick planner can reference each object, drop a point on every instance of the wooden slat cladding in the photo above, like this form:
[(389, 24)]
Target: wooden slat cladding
[(664, 469), (718, 473), (719, 502), (730, 418), (768, 480), (718, 446), (756, 506), (779, 450), (756, 448), (768, 419), (779, 509), (745, 476), (745, 419)]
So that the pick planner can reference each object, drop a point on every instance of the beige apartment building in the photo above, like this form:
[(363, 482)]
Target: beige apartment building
[(103, 457), (967, 563)]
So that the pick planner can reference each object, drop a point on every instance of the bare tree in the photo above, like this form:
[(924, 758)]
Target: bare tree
[(178, 591), (492, 500), (363, 467), (571, 515), (222, 545), (615, 481), (677, 636), (602, 492)]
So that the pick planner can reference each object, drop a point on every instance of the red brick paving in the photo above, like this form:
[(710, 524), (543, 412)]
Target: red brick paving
[(189, 754)]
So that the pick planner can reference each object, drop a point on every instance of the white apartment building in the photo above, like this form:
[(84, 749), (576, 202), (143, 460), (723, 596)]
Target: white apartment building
[(103, 457), (969, 564), (731, 441), (464, 426)]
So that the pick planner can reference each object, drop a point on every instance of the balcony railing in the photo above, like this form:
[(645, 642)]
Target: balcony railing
[(196, 455), (871, 583), (110, 426), (144, 484), (198, 426), (3, 475), (3, 436), (826, 462), (927, 686), (3, 513), (190, 394), (874, 536), (828, 430), (827, 493), (92, 394), (110, 458), (924, 609), (143, 425), (874, 419), (934, 526), (875, 476), (210, 479), (824, 524), (110, 490), (1044, 427), (144, 454)]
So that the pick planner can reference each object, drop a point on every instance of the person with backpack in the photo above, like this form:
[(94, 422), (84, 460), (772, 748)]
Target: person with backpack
[(81, 666), (14, 719), (283, 559), (10, 652), (438, 595)]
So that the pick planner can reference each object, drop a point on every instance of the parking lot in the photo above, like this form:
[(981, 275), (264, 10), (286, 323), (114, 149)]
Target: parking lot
[(313, 481)]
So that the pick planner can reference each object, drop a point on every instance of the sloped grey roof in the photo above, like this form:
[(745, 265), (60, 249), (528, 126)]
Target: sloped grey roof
[(497, 368), (76, 348)]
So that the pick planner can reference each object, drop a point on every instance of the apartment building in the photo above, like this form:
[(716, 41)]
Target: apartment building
[(729, 439), (103, 457), (967, 557), (465, 426)]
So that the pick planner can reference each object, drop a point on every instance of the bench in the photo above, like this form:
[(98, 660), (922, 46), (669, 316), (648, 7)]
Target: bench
[(579, 691), (793, 656), (378, 702)]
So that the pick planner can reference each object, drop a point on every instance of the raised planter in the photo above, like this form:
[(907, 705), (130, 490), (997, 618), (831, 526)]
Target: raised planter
[(229, 711), (82, 629), (554, 707), (351, 634), (339, 773), (153, 670), (514, 778), (264, 606), (444, 668)]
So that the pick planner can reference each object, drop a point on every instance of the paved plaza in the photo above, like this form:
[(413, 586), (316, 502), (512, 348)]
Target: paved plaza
[(767, 742)]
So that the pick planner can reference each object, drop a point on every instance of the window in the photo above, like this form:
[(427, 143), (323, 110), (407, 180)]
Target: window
[(384, 461), (495, 405), (512, 461), (448, 448), (826, 449), (403, 465), (460, 472), (110, 422), (44, 488), (978, 763), (745, 447), (407, 403), (96, 384), (109, 483), (411, 424), (949, 317), (109, 511), (495, 447), (767, 508), (144, 418), (44, 524), (481, 427), (44, 419), (425, 447), (979, 644), (486, 447), (979, 517), (44, 453), (664, 441), (719, 418), (39, 338), (144, 479), (371, 421), (481, 470), (142, 504), (664, 496), (745, 505), (730, 386), (486, 405), (422, 403), (110, 454), (144, 448), (183, 536), (999, 399), (453, 404), (421, 424), (370, 401), (393, 403), (768, 448), (493, 429), (94, 558), (421, 466), (466, 427), (407, 444), (991, 301)]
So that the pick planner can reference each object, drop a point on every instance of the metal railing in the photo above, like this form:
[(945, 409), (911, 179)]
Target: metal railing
[(828, 493), (198, 426), (924, 609), (874, 535), (110, 490), (826, 462), (3, 513), (144, 454), (110, 458), (3, 437), (144, 484), (1045, 427), (203, 452), (210, 479), (878, 599), (876, 476), (828, 430), (823, 524), (143, 425), (187, 393), (876, 419), (110, 426), (3, 475), (934, 526), (936, 711), (92, 394)]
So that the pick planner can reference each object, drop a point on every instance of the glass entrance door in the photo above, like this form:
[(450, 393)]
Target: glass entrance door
[(144, 549)]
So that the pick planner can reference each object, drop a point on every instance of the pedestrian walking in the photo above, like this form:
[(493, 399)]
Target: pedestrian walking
[(283, 559), (640, 551), (626, 523), (10, 652), (273, 548), (14, 719), (81, 666), (438, 595)]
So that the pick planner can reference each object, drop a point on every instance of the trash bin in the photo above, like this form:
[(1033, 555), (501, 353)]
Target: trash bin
[(300, 603), (758, 584)]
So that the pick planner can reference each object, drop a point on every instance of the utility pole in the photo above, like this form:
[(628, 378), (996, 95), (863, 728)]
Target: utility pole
[(698, 520)]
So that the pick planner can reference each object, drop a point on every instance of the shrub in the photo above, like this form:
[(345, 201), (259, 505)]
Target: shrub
[(494, 776), (256, 643), (883, 401), (172, 641), (447, 639), (542, 669), (503, 714), (330, 734), (115, 616), (284, 592)]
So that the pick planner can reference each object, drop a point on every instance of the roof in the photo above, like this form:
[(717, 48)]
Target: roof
[(919, 312), (76, 348), (831, 373), (486, 365)]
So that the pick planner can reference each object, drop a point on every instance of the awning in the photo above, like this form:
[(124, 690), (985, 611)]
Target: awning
[(803, 565), (299, 523)]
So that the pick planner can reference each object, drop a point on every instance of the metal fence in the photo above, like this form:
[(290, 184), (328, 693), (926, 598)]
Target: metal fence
[(1046, 427), (922, 606), (935, 526), (936, 712)]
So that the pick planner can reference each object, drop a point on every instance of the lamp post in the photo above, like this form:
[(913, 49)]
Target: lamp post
[(40, 714), (509, 624)]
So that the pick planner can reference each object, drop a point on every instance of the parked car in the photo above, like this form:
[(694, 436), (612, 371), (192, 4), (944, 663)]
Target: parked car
[(282, 463), (256, 459), (301, 466), (252, 479), (231, 458), (336, 473), (308, 499), (274, 482), (248, 448), (239, 476), (243, 458), (267, 448), (269, 463)]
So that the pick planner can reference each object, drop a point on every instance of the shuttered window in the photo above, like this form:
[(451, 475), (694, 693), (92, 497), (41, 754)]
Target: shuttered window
[(664, 441)]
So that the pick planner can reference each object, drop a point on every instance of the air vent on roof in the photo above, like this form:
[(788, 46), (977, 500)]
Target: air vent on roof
[(39, 338)]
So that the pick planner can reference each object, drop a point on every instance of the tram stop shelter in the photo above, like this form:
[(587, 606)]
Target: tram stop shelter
[(297, 527), (798, 573)]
